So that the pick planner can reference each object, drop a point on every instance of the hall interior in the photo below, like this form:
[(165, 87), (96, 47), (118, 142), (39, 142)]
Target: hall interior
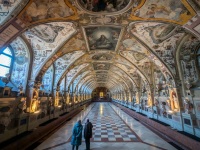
[(133, 59)]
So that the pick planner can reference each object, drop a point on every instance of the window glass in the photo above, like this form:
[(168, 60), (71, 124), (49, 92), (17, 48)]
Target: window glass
[(4, 71), (7, 51), (5, 60)]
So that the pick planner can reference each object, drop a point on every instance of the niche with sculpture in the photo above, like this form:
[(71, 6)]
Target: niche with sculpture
[(188, 106), (35, 101), (56, 103), (174, 103), (160, 84)]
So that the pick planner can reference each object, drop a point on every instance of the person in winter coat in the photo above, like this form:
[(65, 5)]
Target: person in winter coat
[(88, 133), (77, 135)]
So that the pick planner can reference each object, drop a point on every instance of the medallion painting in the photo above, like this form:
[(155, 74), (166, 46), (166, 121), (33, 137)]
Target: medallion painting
[(102, 57), (104, 5), (102, 38), (47, 32), (101, 66)]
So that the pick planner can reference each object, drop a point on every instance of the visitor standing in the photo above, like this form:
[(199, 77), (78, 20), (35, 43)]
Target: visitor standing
[(77, 135), (88, 133)]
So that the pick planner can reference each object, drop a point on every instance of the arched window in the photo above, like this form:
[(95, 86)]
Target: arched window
[(5, 62)]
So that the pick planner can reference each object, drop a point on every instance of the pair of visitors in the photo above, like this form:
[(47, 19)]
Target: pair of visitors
[(77, 134)]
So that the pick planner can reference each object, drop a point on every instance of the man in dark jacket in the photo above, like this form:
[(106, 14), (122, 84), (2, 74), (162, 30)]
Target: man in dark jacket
[(88, 133)]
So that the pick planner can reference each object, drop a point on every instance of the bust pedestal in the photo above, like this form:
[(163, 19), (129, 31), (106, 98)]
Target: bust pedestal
[(189, 121)]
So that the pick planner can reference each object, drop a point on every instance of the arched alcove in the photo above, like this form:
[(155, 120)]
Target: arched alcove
[(101, 94)]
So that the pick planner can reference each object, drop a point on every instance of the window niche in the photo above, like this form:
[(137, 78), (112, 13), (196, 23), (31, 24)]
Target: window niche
[(6, 58)]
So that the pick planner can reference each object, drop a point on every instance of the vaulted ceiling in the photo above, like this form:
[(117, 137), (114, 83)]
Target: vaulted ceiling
[(114, 44)]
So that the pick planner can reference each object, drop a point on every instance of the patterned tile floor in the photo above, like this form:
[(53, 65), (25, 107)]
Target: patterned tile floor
[(113, 130), (108, 126)]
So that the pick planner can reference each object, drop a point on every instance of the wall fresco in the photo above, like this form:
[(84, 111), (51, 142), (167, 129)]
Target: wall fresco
[(7, 34), (47, 80), (63, 63), (42, 49), (79, 78), (164, 48), (62, 85), (188, 62), (21, 63), (72, 73), (7, 7)]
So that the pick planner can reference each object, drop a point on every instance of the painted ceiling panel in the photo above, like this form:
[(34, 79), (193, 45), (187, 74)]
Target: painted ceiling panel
[(80, 77), (45, 40), (83, 81), (116, 44), (38, 10), (102, 37), (129, 43), (104, 6), (64, 62), (161, 38), (9, 7), (178, 11), (75, 71)]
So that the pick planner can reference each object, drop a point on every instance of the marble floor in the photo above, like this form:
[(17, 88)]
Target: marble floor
[(113, 130)]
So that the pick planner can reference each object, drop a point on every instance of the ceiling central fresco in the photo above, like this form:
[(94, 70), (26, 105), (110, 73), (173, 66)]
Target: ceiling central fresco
[(110, 43)]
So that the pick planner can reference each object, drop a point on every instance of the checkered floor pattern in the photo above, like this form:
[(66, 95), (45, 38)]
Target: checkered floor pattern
[(108, 126)]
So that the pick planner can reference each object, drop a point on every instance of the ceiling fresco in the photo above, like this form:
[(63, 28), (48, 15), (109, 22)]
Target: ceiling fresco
[(178, 11), (45, 39), (93, 43), (102, 57), (165, 47), (101, 66), (9, 7), (73, 72), (102, 38), (103, 6), (63, 63), (38, 10)]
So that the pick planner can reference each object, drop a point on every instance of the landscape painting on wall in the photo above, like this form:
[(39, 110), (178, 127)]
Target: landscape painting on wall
[(102, 38)]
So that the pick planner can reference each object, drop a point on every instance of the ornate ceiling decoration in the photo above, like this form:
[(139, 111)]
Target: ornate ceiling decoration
[(94, 43)]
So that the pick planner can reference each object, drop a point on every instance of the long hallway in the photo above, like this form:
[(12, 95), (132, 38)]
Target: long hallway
[(112, 130)]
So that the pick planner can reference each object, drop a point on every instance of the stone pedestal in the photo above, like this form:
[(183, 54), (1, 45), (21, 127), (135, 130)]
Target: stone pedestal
[(150, 115), (197, 132), (177, 122), (189, 122), (155, 116), (32, 121), (23, 123)]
